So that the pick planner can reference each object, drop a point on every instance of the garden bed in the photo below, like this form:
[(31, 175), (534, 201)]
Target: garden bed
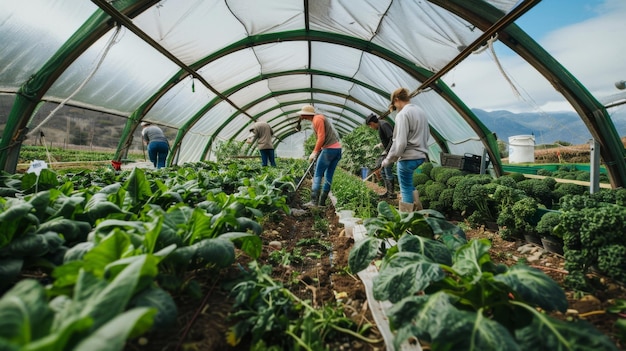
[(313, 261), (320, 275)]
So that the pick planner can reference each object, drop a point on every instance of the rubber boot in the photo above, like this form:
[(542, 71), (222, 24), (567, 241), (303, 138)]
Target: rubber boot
[(416, 201), (314, 199), (323, 198), (390, 192), (405, 207)]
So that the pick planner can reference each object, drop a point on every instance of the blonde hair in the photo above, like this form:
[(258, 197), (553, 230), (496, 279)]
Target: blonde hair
[(401, 94)]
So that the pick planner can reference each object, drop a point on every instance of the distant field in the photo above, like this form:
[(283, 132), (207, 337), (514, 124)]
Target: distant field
[(80, 157)]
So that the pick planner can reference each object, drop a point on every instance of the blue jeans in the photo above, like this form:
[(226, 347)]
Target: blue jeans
[(387, 172), (326, 163), (406, 169), (157, 151), (267, 155)]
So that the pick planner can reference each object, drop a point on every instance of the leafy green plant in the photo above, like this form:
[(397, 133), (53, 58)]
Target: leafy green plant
[(354, 194), (515, 221), (473, 196), (94, 314), (358, 149), (227, 150), (385, 230), (285, 258), (592, 233), (473, 304), (273, 316)]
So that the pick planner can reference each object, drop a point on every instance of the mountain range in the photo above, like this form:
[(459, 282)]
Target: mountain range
[(547, 127)]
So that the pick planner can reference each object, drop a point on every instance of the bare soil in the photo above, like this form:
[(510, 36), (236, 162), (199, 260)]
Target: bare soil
[(322, 275)]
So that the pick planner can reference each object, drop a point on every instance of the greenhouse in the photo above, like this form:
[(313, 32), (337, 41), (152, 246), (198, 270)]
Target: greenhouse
[(89, 75)]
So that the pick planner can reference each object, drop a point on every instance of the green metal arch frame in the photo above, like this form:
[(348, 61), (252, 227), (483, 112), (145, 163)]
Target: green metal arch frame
[(590, 110), (30, 94), (276, 131), (476, 12), (303, 90), (419, 73), (232, 90), (100, 23)]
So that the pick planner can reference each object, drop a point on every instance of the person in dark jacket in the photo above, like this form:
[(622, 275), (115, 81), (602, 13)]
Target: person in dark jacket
[(385, 133), (263, 133), (158, 146)]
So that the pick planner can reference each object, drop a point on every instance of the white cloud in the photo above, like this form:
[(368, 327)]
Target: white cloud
[(593, 51)]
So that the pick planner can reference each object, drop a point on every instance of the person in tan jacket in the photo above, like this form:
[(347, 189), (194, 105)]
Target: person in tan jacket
[(263, 133)]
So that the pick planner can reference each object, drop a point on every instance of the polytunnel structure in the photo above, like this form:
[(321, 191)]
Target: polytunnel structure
[(210, 68)]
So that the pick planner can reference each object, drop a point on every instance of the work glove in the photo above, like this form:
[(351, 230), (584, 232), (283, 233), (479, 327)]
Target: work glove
[(385, 163), (313, 157)]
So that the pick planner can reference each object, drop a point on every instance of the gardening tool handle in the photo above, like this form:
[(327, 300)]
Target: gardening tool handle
[(308, 170)]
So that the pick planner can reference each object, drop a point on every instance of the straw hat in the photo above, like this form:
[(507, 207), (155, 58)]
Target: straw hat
[(307, 110)]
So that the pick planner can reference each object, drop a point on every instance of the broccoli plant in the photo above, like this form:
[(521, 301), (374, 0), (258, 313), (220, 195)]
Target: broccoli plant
[(473, 304)]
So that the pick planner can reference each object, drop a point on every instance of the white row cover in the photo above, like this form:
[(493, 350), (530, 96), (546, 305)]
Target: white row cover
[(121, 72)]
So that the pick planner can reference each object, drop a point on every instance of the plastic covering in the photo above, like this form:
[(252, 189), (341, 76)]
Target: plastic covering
[(251, 59)]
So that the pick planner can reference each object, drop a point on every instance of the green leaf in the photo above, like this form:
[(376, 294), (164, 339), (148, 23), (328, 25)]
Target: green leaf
[(40, 202), (434, 250), (362, 253), (137, 187), (218, 251), (547, 333), (388, 212), (70, 229), (249, 243), (59, 339), (24, 312), (113, 335), (33, 245), (435, 319), (110, 249), (10, 269), (13, 217), (535, 287), (244, 224), (109, 302), (162, 301), (405, 274), (469, 259), (201, 226)]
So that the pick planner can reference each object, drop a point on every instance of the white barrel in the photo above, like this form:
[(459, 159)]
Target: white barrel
[(522, 149)]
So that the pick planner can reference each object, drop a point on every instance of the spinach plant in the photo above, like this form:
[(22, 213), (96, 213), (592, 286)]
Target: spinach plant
[(474, 304), (390, 225)]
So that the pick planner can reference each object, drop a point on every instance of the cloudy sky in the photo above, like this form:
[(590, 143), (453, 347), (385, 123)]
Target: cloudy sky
[(586, 36)]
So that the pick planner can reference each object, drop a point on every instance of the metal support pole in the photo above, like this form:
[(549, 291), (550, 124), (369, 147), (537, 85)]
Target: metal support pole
[(483, 162), (594, 166)]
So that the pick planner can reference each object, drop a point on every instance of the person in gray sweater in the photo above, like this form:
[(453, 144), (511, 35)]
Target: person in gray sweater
[(158, 146), (409, 147), (263, 133)]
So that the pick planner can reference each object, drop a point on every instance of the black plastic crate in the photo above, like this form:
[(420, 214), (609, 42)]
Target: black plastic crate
[(471, 163), (449, 160)]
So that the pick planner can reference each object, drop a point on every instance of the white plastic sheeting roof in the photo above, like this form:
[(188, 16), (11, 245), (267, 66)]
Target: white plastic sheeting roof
[(210, 67)]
